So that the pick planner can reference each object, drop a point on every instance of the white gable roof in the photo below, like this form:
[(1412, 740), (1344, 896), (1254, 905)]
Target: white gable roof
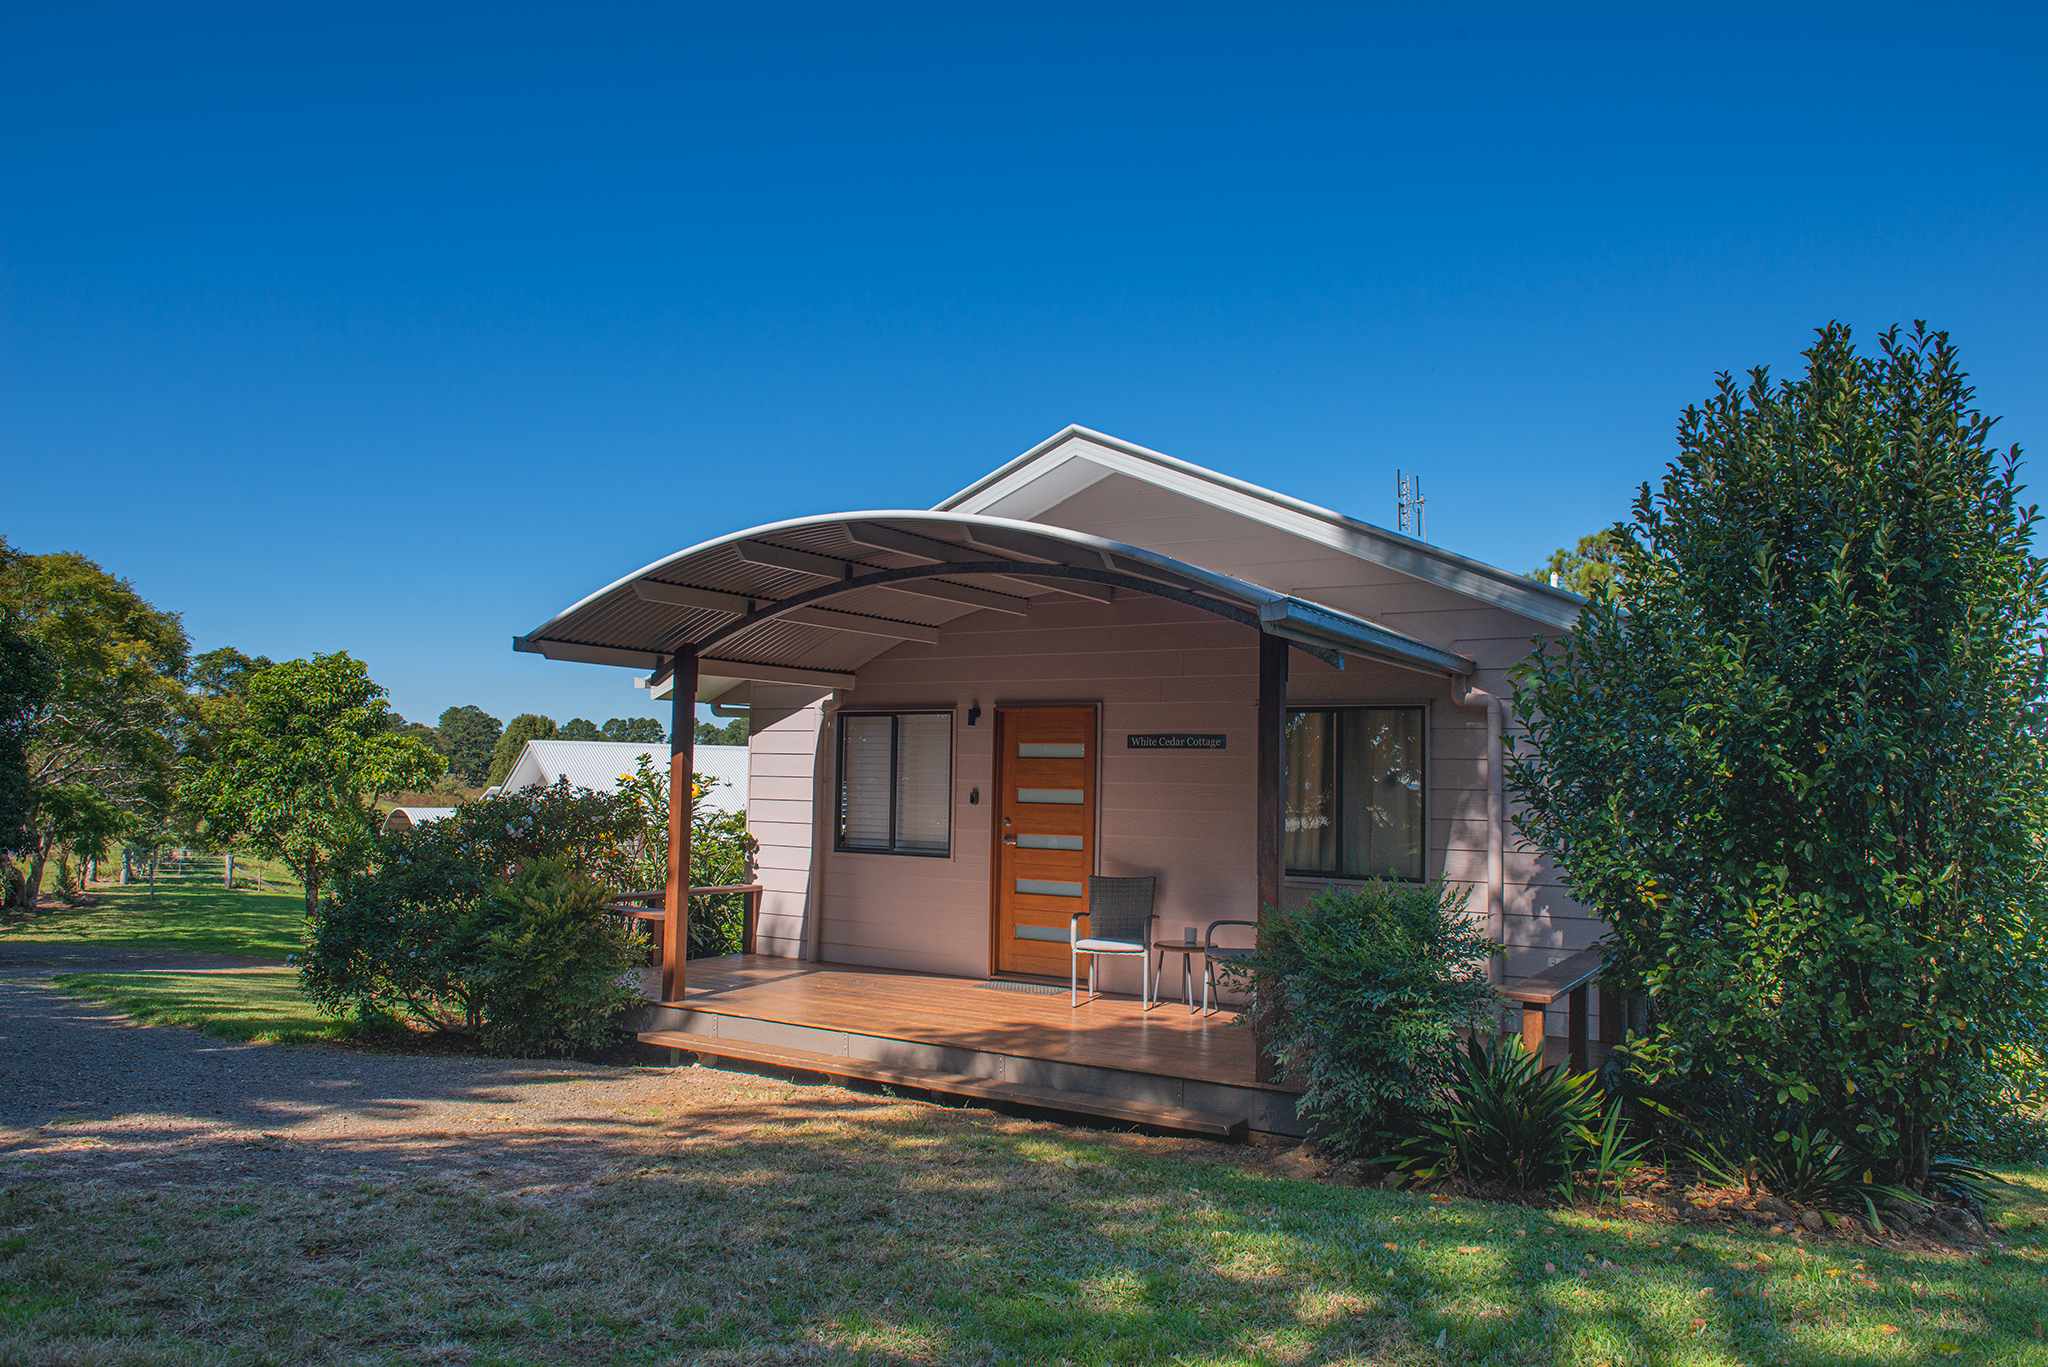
[(597, 765), (1077, 459)]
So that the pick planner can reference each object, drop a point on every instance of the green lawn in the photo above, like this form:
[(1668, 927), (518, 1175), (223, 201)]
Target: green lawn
[(198, 919), (914, 1234), (259, 1004)]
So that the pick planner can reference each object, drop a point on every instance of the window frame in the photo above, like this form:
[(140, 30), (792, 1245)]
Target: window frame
[(1332, 710), (895, 716)]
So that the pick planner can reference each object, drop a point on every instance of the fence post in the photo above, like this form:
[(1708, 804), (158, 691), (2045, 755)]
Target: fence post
[(124, 866), (227, 866)]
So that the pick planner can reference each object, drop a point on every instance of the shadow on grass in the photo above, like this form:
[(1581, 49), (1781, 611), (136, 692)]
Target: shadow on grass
[(261, 1004), (809, 1223), (192, 919)]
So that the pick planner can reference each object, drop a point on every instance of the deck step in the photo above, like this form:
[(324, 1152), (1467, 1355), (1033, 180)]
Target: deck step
[(957, 1084)]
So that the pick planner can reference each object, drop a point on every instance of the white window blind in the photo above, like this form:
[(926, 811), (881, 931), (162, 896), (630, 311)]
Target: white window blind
[(924, 782), (896, 782), (865, 759)]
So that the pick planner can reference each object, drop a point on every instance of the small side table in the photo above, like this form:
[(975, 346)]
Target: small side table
[(1188, 950)]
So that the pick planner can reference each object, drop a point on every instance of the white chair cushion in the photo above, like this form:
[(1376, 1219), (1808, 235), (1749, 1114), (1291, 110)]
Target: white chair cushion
[(1108, 947)]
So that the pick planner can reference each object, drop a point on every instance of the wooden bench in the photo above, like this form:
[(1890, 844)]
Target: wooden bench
[(1569, 978), (1181, 1118), (650, 910)]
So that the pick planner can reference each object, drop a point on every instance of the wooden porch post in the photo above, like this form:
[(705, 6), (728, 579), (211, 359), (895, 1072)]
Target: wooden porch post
[(1271, 804), (682, 776)]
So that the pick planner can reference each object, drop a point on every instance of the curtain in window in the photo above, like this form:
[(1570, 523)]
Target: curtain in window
[(1382, 777), (1311, 827), (1354, 792)]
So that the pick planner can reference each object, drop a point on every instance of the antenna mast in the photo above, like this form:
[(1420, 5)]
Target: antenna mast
[(1408, 503)]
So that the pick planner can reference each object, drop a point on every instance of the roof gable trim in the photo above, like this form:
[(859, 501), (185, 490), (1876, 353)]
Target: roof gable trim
[(1360, 540)]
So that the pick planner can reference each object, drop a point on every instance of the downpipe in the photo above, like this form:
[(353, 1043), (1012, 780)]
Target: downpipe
[(1495, 921)]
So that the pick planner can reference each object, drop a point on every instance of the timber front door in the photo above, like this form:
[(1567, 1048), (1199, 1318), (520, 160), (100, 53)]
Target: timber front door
[(1045, 833)]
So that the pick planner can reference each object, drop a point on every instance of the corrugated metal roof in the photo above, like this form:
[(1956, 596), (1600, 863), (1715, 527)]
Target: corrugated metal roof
[(744, 588), (405, 818), (598, 765)]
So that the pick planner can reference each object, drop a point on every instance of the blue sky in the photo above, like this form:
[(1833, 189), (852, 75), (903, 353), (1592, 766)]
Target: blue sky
[(397, 329)]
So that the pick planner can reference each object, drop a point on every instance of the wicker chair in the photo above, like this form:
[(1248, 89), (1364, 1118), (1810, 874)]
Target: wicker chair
[(1120, 918)]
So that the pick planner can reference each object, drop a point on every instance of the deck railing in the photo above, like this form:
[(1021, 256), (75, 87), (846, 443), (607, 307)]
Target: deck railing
[(1571, 979), (649, 909)]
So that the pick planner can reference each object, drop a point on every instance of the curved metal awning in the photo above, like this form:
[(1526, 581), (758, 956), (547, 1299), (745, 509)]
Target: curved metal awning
[(810, 600)]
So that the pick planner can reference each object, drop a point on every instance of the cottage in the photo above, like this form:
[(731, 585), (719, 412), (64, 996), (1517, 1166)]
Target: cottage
[(1095, 660)]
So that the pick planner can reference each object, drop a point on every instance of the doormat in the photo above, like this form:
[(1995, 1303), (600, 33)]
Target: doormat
[(1035, 989)]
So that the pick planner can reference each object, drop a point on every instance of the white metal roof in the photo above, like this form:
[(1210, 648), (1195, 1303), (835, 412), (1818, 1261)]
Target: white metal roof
[(1072, 459), (405, 818), (598, 765)]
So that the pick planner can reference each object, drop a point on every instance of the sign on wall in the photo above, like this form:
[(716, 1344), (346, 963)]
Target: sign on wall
[(1174, 740)]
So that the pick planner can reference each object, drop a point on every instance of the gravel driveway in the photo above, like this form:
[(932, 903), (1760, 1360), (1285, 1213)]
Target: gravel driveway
[(85, 1091)]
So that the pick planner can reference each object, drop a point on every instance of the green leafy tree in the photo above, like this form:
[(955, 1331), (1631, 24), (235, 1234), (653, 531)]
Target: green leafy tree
[(218, 684), (521, 729), (580, 728), (733, 732), (639, 730), (298, 775), (469, 735), (1802, 775), (28, 678), (224, 672), (103, 744), (417, 730), (1583, 567)]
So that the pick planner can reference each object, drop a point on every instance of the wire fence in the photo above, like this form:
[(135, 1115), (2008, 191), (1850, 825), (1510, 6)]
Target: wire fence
[(184, 868)]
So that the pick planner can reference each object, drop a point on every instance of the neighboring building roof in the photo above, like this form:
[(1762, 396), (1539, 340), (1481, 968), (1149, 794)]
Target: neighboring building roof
[(405, 818), (597, 765)]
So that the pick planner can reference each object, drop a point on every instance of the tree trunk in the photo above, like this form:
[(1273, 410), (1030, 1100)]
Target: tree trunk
[(38, 855), (310, 875)]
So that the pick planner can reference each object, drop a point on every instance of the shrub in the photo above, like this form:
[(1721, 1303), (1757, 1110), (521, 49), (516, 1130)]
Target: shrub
[(1507, 1119), (555, 969), (1802, 775), (1361, 995), (721, 855), (408, 933)]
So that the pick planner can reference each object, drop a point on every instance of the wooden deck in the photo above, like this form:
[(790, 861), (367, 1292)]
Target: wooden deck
[(1110, 1046)]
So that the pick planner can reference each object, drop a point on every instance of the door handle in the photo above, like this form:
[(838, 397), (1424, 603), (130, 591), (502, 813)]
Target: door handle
[(1009, 840)]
